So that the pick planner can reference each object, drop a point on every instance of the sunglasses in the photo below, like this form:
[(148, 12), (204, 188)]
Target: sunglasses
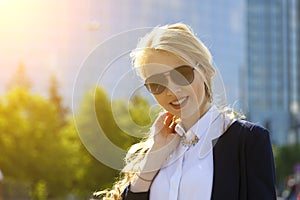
[(182, 75)]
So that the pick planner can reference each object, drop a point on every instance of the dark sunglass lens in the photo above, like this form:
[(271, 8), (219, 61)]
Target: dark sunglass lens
[(156, 83), (183, 75), (155, 88)]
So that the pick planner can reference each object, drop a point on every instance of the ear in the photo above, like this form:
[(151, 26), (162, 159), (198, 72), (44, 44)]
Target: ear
[(208, 92)]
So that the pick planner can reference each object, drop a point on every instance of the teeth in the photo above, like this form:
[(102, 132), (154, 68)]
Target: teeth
[(180, 101)]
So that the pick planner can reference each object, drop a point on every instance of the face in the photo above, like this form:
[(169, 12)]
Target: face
[(187, 101)]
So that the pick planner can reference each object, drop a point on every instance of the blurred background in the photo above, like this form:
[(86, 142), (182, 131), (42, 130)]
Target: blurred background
[(255, 45)]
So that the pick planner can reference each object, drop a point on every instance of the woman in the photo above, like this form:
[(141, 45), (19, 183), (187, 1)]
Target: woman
[(194, 151)]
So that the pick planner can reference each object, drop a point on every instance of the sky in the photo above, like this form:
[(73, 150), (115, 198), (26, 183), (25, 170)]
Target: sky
[(49, 38), (56, 37)]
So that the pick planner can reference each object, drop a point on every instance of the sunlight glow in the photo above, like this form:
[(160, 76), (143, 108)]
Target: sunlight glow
[(34, 29), (4, 2)]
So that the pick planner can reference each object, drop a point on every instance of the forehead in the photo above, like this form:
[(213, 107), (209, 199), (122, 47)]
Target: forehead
[(156, 62)]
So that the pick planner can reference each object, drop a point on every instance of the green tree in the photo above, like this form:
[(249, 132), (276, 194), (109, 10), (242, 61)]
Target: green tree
[(31, 144), (49, 157), (95, 112), (20, 79), (285, 159), (57, 99), (135, 116), (114, 118)]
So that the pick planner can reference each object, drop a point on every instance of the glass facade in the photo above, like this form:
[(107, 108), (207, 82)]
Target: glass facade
[(272, 64)]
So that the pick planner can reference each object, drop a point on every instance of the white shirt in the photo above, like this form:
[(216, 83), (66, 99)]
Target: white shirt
[(188, 173)]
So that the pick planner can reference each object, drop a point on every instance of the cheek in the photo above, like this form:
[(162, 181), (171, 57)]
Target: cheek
[(198, 88), (201, 91), (160, 99)]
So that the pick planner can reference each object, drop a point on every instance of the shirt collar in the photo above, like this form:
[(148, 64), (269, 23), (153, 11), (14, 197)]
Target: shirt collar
[(216, 127), (202, 125), (209, 127)]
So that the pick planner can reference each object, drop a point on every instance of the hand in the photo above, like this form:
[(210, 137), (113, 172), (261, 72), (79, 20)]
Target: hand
[(164, 134), (165, 141)]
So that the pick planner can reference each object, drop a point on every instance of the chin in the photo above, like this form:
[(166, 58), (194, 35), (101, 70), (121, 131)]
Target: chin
[(174, 112)]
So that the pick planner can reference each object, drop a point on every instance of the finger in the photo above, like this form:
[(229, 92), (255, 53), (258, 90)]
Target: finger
[(161, 117), (168, 119), (158, 125)]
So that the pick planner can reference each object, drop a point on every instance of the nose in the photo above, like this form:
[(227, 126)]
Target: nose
[(172, 88)]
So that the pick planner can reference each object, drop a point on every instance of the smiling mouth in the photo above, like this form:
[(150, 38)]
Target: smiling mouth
[(177, 104)]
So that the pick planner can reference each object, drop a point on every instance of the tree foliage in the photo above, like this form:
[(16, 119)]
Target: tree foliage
[(57, 99), (43, 151), (30, 142), (286, 157), (115, 120), (38, 150), (20, 79)]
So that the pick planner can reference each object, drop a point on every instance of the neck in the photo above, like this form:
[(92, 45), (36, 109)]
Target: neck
[(192, 119)]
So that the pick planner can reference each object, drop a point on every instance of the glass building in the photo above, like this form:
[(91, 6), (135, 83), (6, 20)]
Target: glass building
[(272, 71)]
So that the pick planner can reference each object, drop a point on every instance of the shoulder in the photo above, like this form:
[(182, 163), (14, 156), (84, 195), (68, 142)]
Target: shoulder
[(250, 128), (253, 134), (246, 134)]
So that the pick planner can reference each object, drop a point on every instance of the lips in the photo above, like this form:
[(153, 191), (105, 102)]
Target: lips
[(179, 103)]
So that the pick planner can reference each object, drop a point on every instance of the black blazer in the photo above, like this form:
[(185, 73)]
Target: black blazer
[(243, 165)]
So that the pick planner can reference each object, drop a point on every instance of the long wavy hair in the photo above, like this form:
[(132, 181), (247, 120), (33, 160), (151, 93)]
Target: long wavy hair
[(179, 40)]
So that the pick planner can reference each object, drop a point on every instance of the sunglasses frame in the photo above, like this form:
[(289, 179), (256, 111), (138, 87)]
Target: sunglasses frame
[(162, 87)]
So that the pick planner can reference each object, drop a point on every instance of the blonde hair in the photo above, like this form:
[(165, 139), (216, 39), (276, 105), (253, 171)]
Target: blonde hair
[(179, 40)]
